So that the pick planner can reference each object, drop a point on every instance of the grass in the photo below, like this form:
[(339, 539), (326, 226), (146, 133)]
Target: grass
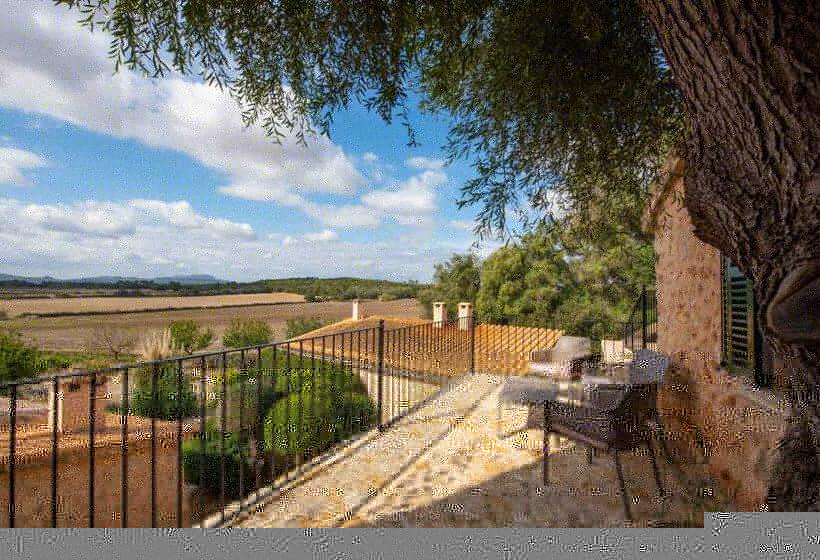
[(84, 360)]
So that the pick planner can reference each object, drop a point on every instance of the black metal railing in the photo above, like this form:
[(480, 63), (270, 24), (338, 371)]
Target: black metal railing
[(174, 441), (178, 441), (641, 329)]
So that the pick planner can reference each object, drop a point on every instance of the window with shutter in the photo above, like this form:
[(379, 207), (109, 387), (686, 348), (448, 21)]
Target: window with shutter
[(741, 337)]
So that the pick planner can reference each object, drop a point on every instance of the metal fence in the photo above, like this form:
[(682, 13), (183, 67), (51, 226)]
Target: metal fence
[(641, 329), (174, 441), (227, 422)]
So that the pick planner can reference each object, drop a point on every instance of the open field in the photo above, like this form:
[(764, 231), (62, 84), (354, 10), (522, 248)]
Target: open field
[(82, 332), (66, 306)]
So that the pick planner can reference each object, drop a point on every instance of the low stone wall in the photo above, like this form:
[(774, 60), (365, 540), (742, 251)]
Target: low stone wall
[(707, 412), (33, 484)]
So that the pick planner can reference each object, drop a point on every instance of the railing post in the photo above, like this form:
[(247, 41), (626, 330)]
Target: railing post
[(472, 342), (643, 318), (379, 369)]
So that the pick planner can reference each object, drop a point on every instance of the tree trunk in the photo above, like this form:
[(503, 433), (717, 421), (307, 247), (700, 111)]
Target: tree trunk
[(749, 72)]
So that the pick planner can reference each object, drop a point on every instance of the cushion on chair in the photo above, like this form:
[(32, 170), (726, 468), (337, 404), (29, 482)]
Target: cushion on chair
[(647, 367)]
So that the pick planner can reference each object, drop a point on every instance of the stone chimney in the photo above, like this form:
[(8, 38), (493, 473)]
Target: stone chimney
[(357, 310), (465, 315), (73, 411), (439, 313)]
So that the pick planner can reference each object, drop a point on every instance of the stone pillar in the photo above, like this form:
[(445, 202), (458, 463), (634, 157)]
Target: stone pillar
[(357, 310), (439, 313), (73, 411), (465, 315)]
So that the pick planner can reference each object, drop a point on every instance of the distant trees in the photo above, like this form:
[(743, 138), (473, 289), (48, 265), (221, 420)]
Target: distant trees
[(301, 325), (110, 340), (18, 359), (246, 332), (529, 279), (454, 281), (188, 337), (569, 276), (325, 289)]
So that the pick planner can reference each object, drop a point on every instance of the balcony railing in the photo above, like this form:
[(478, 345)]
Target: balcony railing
[(175, 441)]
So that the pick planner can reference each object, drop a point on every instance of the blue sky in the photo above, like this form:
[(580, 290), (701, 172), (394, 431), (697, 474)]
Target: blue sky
[(119, 174)]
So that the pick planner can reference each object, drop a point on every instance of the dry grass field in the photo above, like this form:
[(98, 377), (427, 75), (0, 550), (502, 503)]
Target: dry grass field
[(82, 332), (43, 306)]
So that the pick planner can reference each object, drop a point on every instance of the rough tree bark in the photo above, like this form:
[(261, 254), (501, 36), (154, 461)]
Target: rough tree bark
[(749, 71)]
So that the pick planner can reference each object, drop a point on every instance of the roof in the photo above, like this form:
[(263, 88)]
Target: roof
[(672, 170)]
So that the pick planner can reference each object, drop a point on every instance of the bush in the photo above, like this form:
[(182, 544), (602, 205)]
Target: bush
[(202, 462), (188, 337), (329, 413), (246, 332), (169, 405), (302, 325), (18, 360)]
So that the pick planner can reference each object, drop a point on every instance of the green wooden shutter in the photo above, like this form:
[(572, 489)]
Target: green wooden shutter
[(739, 329)]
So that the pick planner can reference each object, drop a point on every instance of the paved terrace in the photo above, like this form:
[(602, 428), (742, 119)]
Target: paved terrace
[(444, 466)]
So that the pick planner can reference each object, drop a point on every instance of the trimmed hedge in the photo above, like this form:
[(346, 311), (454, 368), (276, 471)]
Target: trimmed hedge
[(202, 463), (310, 421)]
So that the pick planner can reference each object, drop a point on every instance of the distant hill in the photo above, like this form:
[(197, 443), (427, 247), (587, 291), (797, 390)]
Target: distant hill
[(188, 279)]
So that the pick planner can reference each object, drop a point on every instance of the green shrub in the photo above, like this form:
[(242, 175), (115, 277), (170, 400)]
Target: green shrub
[(18, 360), (301, 325), (169, 405), (188, 337), (329, 413), (246, 332), (202, 462)]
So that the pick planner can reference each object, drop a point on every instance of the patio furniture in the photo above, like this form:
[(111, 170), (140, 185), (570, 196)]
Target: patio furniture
[(562, 361), (610, 416)]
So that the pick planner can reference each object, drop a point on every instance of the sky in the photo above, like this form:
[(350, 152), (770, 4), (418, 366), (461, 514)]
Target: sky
[(114, 173)]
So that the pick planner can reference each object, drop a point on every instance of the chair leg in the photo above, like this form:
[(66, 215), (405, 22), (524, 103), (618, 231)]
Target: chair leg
[(547, 430), (655, 470), (624, 496)]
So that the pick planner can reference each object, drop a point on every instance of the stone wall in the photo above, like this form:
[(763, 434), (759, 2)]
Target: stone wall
[(706, 411), (33, 486)]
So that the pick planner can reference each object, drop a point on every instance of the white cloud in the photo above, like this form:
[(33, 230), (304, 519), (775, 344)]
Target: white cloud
[(411, 202), (141, 239), (424, 163), (14, 162), (49, 65), (116, 220), (324, 235)]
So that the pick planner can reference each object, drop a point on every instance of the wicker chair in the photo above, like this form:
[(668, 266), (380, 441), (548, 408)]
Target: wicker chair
[(612, 418)]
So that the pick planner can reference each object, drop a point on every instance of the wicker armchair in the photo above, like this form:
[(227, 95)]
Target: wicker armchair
[(612, 418)]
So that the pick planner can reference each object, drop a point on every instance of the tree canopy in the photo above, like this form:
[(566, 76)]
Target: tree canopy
[(454, 281), (544, 96)]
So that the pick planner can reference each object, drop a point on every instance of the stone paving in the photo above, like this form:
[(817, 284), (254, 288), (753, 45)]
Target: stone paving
[(446, 466)]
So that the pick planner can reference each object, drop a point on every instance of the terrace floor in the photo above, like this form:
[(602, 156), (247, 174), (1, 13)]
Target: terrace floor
[(445, 466)]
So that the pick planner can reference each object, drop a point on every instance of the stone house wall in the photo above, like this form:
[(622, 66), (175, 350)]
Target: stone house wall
[(734, 426)]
